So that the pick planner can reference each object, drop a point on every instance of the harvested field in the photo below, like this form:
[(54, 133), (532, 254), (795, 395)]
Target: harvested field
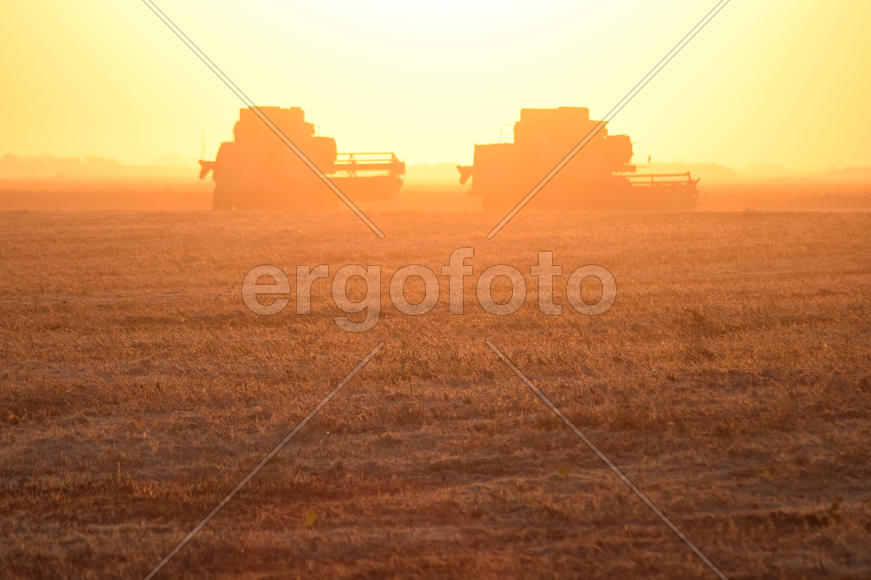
[(730, 381)]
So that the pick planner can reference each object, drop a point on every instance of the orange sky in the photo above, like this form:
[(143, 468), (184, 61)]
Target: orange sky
[(767, 82)]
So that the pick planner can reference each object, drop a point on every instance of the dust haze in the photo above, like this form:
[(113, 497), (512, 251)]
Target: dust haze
[(620, 340)]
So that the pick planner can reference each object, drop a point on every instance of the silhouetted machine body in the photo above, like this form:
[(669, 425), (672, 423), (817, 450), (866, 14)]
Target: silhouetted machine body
[(258, 170), (599, 176)]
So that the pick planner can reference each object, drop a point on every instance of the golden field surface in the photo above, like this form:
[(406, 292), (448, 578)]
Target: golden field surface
[(730, 381)]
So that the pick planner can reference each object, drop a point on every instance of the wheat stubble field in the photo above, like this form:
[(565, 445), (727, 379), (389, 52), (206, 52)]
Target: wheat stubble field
[(731, 381)]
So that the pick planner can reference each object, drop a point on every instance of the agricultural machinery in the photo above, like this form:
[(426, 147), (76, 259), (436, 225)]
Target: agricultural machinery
[(600, 176), (258, 170)]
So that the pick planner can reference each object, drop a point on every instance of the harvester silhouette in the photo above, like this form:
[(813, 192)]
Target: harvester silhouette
[(600, 176), (258, 170)]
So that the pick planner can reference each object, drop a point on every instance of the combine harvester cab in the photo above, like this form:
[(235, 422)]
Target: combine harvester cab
[(600, 177), (258, 170)]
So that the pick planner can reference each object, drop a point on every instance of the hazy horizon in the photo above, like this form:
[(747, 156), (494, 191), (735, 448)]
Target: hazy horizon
[(46, 166)]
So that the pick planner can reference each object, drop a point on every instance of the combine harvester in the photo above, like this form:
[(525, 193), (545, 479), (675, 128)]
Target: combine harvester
[(600, 177), (258, 170)]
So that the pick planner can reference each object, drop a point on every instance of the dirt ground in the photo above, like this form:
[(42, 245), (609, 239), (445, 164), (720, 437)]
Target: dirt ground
[(730, 381)]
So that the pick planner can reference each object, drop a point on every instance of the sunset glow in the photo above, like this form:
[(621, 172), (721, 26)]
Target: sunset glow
[(767, 83)]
